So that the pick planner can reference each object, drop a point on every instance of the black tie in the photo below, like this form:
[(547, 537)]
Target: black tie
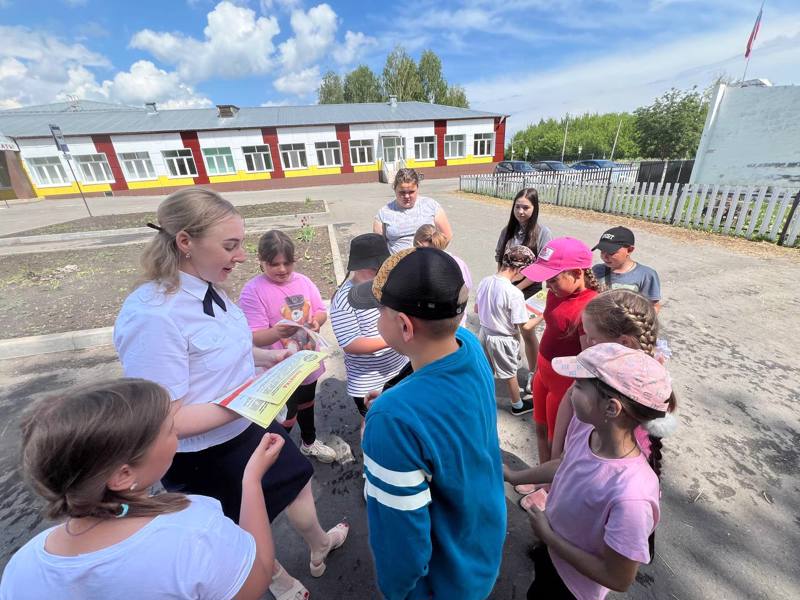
[(212, 294)]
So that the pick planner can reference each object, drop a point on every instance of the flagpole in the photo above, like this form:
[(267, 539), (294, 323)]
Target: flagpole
[(747, 60)]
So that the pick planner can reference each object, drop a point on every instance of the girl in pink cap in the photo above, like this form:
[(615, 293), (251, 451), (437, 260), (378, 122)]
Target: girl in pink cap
[(565, 264), (603, 505)]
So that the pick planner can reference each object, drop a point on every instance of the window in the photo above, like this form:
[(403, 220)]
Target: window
[(257, 158), (483, 144), (293, 156), (180, 163), (219, 161), (94, 168), (48, 170), (329, 154), (137, 165), (455, 146), (425, 147), (361, 152)]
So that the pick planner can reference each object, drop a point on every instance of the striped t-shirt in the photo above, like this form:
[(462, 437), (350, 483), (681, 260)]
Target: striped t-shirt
[(365, 372)]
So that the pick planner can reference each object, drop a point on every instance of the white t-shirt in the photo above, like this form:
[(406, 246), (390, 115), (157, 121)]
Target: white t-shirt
[(365, 372), (501, 306), (400, 224), (197, 553), (168, 339)]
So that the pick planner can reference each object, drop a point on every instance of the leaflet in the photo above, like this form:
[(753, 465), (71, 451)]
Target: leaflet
[(536, 303)]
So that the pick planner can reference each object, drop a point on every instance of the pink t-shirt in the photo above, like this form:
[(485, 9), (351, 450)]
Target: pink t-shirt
[(595, 501), (265, 302)]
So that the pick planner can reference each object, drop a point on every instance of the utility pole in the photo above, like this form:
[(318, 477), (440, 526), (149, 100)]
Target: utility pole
[(616, 137), (564, 145)]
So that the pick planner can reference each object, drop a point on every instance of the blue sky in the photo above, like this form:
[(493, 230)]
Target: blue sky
[(526, 58)]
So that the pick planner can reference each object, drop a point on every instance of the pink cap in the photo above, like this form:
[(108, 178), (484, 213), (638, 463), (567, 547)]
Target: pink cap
[(560, 254), (633, 373)]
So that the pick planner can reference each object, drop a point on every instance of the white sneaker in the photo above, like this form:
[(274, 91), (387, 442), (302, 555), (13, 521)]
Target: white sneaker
[(320, 451)]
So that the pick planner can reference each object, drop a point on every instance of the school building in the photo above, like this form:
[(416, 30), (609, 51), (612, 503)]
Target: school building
[(118, 150)]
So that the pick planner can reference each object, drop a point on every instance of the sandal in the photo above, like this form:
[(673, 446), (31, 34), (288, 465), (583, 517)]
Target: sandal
[(537, 499), (297, 592), (337, 535), (524, 489)]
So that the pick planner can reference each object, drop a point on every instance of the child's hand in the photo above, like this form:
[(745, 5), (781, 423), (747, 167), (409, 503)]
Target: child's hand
[(539, 524), (263, 457), (507, 473), (370, 397), (284, 330), (313, 325)]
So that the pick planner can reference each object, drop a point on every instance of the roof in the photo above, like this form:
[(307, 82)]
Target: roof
[(103, 118)]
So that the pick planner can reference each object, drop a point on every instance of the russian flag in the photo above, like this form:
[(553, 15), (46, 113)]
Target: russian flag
[(753, 34)]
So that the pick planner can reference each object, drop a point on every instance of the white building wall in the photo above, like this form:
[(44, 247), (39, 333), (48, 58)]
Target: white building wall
[(152, 143), (307, 136), (751, 136)]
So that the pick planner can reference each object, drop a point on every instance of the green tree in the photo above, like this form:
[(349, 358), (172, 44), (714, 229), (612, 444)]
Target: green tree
[(671, 126), (455, 96), (331, 90), (401, 77), (362, 85), (434, 86)]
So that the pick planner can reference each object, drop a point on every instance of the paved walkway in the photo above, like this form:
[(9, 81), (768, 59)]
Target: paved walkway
[(730, 482)]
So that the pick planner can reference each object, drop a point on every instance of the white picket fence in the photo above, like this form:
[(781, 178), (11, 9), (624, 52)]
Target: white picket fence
[(754, 212)]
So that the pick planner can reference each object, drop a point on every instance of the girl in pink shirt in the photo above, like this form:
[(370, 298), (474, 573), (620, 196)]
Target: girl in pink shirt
[(603, 505), (282, 294)]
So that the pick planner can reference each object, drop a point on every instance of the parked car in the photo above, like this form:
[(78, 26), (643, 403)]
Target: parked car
[(584, 165), (514, 166), (550, 165)]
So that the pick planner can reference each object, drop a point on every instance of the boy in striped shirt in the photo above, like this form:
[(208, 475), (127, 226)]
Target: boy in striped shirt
[(435, 501)]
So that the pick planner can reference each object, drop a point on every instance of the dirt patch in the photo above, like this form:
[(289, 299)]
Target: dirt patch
[(758, 249), (140, 219), (54, 292)]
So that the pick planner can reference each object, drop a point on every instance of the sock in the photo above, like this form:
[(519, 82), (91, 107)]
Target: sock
[(518, 404)]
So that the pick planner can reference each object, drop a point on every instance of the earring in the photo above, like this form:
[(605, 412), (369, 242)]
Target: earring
[(188, 255), (133, 486)]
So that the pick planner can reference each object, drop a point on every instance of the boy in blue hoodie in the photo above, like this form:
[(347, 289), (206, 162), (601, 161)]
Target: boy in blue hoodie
[(435, 500)]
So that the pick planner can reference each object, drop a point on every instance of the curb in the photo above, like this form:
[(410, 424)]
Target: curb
[(338, 267), (55, 342)]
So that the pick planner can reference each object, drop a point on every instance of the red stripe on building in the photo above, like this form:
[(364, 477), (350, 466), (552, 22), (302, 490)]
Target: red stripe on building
[(189, 139), (343, 135), (270, 135), (102, 143), (499, 138), (440, 127)]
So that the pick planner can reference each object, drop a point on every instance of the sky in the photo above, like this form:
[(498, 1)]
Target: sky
[(529, 59)]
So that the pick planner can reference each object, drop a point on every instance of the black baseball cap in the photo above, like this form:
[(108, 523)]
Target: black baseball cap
[(367, 251), (614, 239), (420, 282)]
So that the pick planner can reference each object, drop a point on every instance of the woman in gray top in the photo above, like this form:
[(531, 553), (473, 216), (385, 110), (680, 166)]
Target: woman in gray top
[(399, 220), (524, 229)]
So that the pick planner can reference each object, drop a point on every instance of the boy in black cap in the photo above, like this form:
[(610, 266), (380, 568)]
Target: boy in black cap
[(435, 501), (618, 269)]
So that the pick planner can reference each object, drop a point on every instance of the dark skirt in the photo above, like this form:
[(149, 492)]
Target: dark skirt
[(217, 472), (547, 582)]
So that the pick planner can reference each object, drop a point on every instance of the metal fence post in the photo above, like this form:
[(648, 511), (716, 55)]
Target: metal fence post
[(558, 194), (795, 202), (608, 191)]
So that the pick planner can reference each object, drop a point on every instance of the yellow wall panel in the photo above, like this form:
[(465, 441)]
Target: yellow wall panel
[(72, 189), (420, 164), (470, 160), (238, 176), (365, 168), (313, 170), (160, 182)]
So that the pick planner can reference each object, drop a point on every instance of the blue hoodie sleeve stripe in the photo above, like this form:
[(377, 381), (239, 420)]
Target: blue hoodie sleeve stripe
[(404, 503), (395, 478)]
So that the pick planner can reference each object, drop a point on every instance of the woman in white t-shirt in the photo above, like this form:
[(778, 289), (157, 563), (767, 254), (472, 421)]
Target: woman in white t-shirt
[(92, 454), (181, 330), (399, 220)]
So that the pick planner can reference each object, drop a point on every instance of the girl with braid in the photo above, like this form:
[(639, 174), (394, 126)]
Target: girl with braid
[(565, 265), (603, 505)]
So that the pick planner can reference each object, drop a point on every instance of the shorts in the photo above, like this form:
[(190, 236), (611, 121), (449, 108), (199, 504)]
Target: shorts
[(502, 352), (547, 583), (548, 389)]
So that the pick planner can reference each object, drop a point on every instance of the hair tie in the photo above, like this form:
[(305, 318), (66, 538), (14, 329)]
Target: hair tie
[(662, 427), (123, 510), (156, 227)]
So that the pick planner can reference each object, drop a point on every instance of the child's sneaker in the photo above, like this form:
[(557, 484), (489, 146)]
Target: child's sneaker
[(323, 453), (527, 406)]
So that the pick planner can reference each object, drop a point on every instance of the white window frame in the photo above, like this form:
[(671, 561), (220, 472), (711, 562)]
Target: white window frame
[(483, 144), (423, 142), (455, 145), (258, 157), (94, 168), (182, 156), (137, 166), (48, 171), (219, 161), (362, 152), (329, 154), (293, 156)]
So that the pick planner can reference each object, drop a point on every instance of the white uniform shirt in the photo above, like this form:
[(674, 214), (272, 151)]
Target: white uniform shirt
[(400, 224), (195, 553), (501, 306), (168, 339)]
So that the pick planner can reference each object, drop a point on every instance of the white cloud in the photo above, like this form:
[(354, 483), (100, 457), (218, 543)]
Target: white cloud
[(299, 83), (145, 82), (236, 44), (268, 6), (625, 80), (283, 102), (354, 46), (314, 33)]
